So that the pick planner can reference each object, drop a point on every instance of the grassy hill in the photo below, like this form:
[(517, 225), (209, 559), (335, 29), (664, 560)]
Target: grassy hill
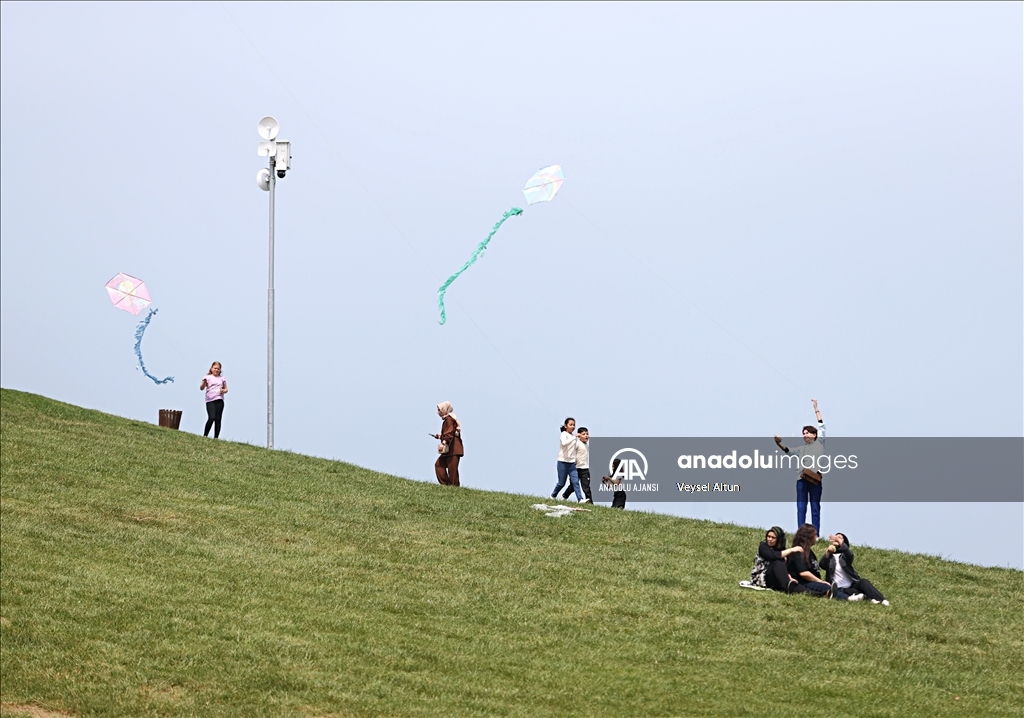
[(147, 572)]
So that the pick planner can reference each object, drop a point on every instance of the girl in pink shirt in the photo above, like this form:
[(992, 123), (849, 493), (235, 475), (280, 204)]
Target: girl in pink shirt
[(216, 387)]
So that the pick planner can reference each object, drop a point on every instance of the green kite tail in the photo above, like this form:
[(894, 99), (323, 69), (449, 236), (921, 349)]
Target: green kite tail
[(476, 254)]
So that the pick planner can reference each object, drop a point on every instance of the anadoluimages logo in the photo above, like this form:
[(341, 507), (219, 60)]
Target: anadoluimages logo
[(628, 468)]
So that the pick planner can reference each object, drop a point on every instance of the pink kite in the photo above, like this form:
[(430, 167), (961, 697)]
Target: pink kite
[(128, 293)]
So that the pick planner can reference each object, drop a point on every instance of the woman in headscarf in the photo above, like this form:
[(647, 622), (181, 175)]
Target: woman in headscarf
[(450, 449)]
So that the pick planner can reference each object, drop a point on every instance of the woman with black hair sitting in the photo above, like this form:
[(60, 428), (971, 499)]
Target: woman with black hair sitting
[(770, 564)]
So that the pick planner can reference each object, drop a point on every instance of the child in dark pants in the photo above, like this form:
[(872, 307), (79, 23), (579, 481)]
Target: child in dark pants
[(618, 496), (582, 465)]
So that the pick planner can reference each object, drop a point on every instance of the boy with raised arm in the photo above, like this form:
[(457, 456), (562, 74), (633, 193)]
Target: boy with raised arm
[(808, 480)]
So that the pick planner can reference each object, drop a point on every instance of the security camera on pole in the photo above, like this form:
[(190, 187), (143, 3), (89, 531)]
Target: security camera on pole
[(280, 154)]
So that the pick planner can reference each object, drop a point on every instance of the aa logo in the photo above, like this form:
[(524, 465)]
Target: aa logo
[(628, 468)]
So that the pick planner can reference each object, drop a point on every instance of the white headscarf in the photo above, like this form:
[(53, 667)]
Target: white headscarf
[(446, 409)]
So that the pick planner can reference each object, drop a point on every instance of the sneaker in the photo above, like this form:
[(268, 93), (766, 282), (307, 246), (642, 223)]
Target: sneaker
[(856, 597), (875, 602), (585, 500), (885, 603)]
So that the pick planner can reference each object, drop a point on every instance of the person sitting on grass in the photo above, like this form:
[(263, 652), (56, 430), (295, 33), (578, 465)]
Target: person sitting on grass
[(803, 565), (839, 571), (770, 564)]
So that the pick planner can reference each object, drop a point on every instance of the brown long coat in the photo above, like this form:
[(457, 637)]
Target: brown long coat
[(451, 435)]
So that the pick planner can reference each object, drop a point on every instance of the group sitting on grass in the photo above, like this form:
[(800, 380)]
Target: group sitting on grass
[(797, 569)]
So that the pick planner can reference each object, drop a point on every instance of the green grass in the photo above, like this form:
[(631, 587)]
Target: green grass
[(147, 572)]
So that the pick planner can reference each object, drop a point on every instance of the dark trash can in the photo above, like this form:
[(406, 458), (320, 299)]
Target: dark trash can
[(171, 418)]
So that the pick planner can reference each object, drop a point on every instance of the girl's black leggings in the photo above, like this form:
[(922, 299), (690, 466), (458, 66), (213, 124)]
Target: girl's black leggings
[(214, 410)]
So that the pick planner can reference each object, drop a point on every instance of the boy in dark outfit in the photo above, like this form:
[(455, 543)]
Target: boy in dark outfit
[(618, 496)]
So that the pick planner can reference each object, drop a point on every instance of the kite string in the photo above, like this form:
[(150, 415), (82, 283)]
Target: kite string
[(140, 331), (685, 298), (477, 253), (193, 365)]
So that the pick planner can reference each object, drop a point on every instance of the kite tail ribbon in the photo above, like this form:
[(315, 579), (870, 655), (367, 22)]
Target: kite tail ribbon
[(477, 253), (139, 333)]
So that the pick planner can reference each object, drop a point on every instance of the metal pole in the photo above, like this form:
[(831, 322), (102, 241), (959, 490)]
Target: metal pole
[(270, 318)]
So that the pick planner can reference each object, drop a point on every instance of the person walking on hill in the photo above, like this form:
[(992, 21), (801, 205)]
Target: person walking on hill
[(808, 481), (216, 387), (567, 460), (450, 450), (582, 466)]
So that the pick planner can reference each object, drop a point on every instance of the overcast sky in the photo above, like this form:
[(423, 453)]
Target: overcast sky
[(764, 204)]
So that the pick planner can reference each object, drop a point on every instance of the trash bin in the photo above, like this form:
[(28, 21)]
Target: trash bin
[(171, 418)]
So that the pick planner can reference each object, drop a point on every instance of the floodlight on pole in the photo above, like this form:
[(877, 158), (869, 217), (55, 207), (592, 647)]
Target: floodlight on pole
[(280, 156)]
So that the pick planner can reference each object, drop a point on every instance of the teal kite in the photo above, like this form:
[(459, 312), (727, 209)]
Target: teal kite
[(542, 187)]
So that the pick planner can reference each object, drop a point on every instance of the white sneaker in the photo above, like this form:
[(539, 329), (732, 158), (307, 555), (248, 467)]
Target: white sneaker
[(875, 602), (885, 602), (856, 597)]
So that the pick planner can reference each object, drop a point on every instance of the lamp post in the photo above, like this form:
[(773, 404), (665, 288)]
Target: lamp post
[(280, 161)]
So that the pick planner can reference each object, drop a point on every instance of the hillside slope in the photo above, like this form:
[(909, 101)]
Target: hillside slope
[(147, 572)]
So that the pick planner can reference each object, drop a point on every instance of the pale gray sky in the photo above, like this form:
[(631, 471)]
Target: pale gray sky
[(838, 187)]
